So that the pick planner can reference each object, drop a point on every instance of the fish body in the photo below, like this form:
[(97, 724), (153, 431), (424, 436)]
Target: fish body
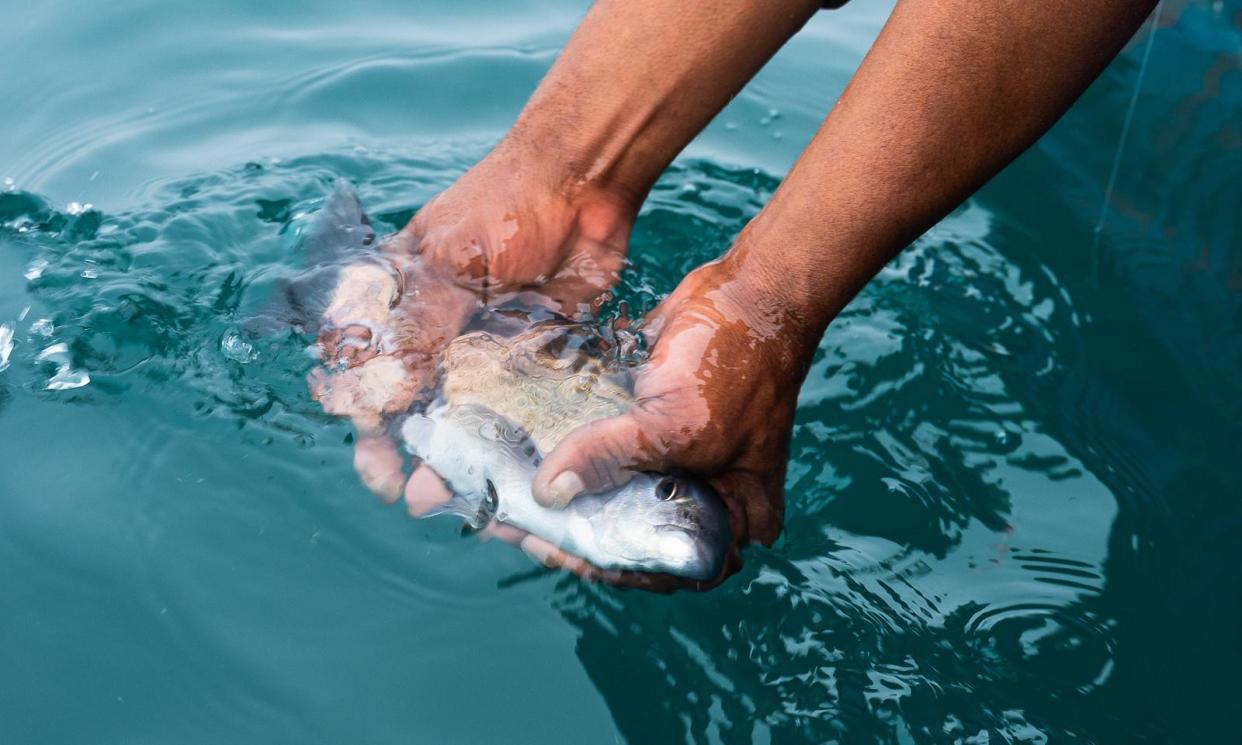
[(506, 402), (653, 523)]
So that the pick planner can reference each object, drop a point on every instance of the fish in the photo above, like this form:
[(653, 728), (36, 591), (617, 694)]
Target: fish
[(506, 402), (654, 523), (504, 398)]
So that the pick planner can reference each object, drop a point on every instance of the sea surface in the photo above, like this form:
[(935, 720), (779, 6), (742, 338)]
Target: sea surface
[(1015, 494)]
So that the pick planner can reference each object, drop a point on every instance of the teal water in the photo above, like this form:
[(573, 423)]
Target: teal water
[(1013, 496)]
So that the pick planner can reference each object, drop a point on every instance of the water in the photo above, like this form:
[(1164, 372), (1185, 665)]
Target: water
[(1013, 510)]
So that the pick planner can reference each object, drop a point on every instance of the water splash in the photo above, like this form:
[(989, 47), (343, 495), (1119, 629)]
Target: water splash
[(236, 348), (6, 345), (65, 378)]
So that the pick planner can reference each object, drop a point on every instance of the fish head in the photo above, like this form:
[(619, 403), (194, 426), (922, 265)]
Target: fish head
[(660, 523)]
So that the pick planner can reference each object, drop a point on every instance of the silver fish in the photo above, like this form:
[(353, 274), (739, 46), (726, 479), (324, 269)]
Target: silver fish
[(654, 523), (504, 401)]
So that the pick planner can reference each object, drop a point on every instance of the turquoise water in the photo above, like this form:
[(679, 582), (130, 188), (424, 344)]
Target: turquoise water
[(1013, 496)]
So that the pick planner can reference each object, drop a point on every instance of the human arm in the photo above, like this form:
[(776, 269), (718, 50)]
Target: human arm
[(548, 211), (949, 94)]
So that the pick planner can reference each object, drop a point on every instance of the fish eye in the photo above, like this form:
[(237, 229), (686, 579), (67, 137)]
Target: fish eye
[(668, 489)]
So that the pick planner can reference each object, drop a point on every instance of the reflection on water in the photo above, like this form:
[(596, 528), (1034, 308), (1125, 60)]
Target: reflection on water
[(942, 548), (1011, 503)]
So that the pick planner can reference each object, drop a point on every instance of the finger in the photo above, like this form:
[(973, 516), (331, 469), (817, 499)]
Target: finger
[(552, 557), (336, 394), (379, 462), (595, 457), (347, 346), (504, 532), (425, 491), (755, 505)]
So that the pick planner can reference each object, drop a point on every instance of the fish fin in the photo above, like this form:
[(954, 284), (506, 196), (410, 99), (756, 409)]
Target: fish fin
[(296, 303), (339, 233), (340, 230), (460, 506), (513, 439)]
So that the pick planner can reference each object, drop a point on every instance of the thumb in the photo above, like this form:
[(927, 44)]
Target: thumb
[(595, 457)]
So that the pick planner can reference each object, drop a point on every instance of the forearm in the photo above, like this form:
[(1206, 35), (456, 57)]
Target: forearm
[(639, 79), (950, 93)]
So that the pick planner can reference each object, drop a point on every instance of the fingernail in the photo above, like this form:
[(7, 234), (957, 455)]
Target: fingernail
[(564, 488)]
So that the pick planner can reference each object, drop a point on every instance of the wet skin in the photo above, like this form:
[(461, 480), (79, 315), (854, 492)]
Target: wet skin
[(949, 94)]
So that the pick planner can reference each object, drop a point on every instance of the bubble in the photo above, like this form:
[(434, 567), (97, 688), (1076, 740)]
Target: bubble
[(1005, 440), (237, 349)]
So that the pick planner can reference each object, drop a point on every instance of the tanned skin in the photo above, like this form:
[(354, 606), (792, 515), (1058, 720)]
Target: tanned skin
[(950, 93)]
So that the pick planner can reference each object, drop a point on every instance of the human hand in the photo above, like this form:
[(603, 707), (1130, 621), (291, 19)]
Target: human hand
[(503, 231), (716, 398)]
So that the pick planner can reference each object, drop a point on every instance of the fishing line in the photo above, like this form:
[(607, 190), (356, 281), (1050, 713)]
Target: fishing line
[(1121, 146)]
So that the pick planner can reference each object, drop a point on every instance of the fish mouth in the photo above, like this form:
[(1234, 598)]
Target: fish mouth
[(706, 552)]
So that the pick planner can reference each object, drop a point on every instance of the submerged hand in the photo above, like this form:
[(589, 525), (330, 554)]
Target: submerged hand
[(716, 399), (503, 231)]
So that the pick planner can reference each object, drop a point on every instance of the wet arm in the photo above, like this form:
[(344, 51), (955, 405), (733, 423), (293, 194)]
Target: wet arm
[(950, 93), (638, 80)]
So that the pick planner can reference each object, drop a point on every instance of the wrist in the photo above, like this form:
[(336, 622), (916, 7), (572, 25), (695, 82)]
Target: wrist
[(774, 273), (583, 161), (603, 211)]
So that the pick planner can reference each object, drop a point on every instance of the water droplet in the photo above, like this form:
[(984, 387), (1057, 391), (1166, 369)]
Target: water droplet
[(1006, 441), (774, 113), (43, 327), (731, 126), (90, 274), (35, 270)]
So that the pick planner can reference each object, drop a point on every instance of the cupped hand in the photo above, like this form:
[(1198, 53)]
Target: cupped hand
[(715, 398), (504, 230)]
